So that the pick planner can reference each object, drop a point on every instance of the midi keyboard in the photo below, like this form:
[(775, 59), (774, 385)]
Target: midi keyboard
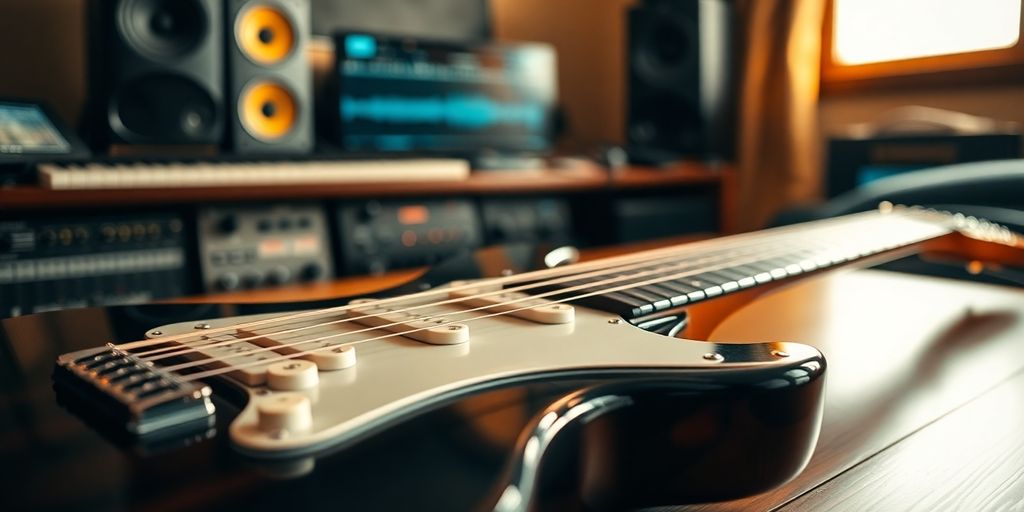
[(175, 174)]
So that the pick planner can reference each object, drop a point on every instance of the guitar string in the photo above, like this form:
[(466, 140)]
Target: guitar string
[(218, 342), (572, 277), (393, 324), (210, 373), (178, 349), (626, 286), (601, 263)]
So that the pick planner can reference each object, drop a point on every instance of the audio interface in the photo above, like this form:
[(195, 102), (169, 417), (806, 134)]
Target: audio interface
[(245, 247), (56, 263), (376, 236)]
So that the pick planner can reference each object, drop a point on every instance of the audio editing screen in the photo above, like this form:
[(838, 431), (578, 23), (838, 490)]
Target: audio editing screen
[(400, 95), (24, 128)]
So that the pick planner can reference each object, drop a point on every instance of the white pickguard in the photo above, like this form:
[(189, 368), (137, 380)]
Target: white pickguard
[(396, 374)]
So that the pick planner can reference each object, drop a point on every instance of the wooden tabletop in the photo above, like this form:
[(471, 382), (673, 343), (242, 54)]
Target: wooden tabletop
[(923, 407)]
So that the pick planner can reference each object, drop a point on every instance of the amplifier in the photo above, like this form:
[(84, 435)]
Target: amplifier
[(532, 220), (56, 263), (244, 246), (376, 236)]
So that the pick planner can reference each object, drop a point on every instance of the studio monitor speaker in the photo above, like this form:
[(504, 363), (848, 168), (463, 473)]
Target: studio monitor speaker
[(155, 72), (681, 93), (270, 99)]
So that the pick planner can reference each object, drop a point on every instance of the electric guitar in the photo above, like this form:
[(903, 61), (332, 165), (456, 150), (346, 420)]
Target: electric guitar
[(579, 386)]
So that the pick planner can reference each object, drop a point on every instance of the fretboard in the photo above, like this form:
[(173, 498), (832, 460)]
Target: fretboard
[(694, 273)]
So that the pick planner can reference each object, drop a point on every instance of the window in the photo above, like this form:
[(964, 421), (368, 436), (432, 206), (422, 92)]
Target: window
[(891, 41)]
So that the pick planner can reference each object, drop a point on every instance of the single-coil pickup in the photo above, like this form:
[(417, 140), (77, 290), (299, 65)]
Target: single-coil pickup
[(436, 330), (517, 304)]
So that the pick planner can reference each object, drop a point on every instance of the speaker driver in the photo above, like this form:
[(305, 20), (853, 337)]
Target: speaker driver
[(162, 28), (166, 108), (665, 49), (268, 110), (265, 34)]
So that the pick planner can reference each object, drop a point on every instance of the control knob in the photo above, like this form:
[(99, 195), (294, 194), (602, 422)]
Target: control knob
[(311, 272), (228, 224)]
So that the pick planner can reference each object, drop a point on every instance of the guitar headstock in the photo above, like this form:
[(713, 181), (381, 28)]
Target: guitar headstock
[(979, 242)]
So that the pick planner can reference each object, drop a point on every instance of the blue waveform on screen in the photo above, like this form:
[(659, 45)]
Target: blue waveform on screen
[(458, 111)]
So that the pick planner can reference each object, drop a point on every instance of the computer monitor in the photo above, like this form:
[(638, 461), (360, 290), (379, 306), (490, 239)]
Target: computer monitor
[(401, 95)]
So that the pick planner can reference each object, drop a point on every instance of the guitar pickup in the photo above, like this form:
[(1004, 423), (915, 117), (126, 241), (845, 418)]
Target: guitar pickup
[(435, 330), (135, 394), (517, 304)]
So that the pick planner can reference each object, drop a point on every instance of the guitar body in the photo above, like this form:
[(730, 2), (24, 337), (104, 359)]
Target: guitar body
[(448, 449)]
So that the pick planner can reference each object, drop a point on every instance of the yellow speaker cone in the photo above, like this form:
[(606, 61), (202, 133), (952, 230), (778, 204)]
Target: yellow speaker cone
[(265, 34), (268, 110)]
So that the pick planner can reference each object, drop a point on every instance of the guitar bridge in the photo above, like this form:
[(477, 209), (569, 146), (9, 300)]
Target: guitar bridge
[(142, 398)]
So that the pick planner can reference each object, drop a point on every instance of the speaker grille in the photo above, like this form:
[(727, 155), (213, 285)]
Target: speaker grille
[(166, 108), (162, 29)]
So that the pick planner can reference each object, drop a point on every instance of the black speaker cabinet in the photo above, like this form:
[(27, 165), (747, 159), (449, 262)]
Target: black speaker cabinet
[(681, 67), (155, 72), (270, 105)]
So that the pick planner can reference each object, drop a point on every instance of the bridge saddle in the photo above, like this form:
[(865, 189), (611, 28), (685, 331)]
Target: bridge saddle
[(144, 398)]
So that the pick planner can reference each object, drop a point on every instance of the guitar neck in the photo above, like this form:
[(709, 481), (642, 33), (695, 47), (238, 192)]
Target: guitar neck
[(665, 280)]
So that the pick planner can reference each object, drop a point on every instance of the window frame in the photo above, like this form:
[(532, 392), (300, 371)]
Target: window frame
[(999, 66)]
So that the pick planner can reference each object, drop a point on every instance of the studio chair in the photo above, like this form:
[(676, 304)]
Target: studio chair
[(992, 190)]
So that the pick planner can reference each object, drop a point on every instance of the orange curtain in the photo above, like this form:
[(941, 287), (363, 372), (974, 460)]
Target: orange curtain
[(779, 143)]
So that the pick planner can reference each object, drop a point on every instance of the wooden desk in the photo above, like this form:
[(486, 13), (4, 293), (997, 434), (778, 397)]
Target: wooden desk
[(923, 405)]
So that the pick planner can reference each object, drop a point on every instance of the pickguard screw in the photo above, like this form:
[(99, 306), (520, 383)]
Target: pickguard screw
[(712, 356), (507, 272), (615, 321), (157, 333), (203, 326), (780, 353)]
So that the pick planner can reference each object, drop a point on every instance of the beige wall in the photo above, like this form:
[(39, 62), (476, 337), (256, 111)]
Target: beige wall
[(44, 52)]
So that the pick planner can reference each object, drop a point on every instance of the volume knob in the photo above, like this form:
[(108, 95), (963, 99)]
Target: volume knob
[(228, 224), (311, 272), (227, 282)]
